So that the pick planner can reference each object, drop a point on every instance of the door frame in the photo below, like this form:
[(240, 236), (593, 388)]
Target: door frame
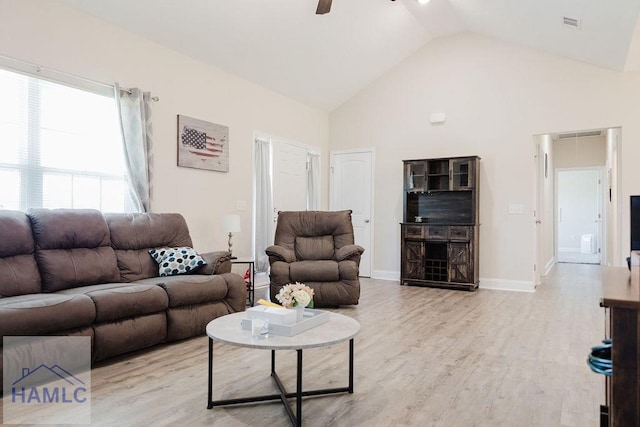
[(537, 214), (273, 140), (613, 185), (332, 203)]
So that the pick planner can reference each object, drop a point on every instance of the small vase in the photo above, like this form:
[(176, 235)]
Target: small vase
[(299, 313)]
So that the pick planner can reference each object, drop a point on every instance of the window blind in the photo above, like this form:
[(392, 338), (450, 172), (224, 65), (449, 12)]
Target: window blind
[(60, 147)]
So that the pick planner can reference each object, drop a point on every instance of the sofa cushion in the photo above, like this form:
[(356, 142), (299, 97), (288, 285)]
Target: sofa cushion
[(19, 276), (15, 230), (191, 320), (39, 314), (63, 268), (175, 261), (314, 248), (72, 248), (192, 289), (19, 273), (125, 335), (314, 271), (115, 301), (132, 235)]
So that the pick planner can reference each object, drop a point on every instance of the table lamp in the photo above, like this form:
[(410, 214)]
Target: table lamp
[(230, 224)]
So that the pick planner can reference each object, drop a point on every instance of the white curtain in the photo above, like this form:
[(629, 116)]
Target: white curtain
[(134, 111), (313, 181), (264, 203)]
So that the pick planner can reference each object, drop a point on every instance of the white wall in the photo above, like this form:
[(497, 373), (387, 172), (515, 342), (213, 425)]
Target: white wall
[(57, 36), (496, 96)]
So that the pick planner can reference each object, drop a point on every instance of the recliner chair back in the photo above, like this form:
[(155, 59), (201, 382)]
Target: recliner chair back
[(316, 248), (314, 235)]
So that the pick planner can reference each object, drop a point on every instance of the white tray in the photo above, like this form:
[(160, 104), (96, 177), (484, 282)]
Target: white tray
[(312, 318)]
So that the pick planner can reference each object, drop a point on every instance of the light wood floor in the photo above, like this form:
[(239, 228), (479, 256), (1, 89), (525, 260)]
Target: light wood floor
[(424, 357)]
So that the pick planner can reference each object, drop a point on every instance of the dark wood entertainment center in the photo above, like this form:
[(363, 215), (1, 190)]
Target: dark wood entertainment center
[(621, 298), (439, 231)]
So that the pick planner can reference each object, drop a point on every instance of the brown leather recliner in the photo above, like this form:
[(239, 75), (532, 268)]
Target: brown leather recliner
[(317, 249)]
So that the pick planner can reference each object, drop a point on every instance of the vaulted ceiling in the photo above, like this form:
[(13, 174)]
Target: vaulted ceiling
[(323, 60)]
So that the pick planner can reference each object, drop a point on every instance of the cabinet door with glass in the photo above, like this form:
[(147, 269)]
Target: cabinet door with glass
[(415, 175), (462, 173)]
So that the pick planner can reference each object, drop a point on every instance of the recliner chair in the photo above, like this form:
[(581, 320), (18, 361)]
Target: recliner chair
[(317, 249)]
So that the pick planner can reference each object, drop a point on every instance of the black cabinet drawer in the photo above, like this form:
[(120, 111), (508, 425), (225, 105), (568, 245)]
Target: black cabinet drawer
[(436, 232), (413, 231), (458, 232)]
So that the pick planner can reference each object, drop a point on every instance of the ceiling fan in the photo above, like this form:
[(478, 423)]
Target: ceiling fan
[(324, 6)]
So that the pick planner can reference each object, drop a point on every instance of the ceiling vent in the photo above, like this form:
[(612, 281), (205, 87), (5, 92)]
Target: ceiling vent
[(583, 134), (573, 23)]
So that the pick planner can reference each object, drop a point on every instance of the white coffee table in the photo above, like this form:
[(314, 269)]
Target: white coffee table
[(228, 329)]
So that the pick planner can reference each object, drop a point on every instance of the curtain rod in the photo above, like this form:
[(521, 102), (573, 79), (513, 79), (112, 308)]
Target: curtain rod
[(20, 65), (129, 91)]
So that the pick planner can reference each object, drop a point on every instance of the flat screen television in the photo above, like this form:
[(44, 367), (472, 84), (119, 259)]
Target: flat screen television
[(635, 223)]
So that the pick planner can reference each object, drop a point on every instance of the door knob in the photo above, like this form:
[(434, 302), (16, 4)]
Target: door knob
[(538, 221), (366, 221)]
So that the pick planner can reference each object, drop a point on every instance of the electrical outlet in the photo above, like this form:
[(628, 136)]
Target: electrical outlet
[(241, 205)]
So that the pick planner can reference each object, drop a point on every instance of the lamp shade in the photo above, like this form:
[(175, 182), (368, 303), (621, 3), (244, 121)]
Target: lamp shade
[(230, 223)]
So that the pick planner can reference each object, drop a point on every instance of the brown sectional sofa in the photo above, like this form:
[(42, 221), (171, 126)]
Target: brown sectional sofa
[(79, 272)]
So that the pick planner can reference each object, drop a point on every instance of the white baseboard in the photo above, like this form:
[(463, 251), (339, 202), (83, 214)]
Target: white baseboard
[(494, 284), (386, 275), (507, 285)]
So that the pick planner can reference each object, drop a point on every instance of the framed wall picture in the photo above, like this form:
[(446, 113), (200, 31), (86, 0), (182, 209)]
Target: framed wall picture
[(202, 145)]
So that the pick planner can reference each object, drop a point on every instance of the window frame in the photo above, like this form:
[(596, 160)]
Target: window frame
[(31, 190)]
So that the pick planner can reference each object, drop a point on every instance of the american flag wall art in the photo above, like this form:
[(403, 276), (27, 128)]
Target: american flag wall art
[(202, 145)]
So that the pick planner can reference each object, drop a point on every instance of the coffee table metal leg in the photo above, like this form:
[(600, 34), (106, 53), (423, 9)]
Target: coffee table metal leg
[(299, 391), (351, 365), (210, 395), (273, 362), (283, 396)]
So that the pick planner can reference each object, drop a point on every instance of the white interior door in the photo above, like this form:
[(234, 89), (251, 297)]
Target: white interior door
[(352, 188), (289, 178), (281, 184), (579, 215)]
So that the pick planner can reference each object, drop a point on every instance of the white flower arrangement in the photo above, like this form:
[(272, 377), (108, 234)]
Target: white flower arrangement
[(295, 295)]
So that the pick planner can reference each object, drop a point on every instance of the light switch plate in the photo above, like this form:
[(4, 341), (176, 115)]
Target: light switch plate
[(241, 205), (516, 209)]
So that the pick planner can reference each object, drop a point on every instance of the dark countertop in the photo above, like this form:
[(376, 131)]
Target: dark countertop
[(621, 287)]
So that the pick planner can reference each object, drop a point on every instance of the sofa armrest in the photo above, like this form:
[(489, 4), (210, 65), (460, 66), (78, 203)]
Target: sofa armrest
[(349, 251), (217, 263), (280, 253)]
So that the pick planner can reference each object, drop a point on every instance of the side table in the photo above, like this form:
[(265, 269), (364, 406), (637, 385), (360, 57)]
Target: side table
[(252, 271)]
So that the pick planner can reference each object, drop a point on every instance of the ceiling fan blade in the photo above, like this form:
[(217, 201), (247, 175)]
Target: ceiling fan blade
[(324, 6)]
